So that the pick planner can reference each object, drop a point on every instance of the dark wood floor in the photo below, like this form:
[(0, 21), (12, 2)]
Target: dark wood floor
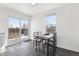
[(26, 49)]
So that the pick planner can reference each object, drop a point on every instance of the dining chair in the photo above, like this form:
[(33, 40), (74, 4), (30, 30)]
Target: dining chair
[(37, 41), (51, 43)]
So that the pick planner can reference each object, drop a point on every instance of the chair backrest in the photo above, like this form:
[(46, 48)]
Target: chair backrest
[(55, 35), (53, 38), (35, 33)]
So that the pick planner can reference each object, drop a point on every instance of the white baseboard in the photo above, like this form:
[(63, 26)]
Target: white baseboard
[(68, 49)]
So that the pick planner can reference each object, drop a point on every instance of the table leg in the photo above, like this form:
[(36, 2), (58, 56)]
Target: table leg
[(36, 44), (47, 47), (54, 49)]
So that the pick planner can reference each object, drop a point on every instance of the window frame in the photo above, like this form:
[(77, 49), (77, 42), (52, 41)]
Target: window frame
[(46, 20)]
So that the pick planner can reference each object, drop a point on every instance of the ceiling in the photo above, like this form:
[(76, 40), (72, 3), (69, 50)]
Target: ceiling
[(29, 9)]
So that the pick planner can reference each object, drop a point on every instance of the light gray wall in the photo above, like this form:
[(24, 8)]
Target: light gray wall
[(67, 25), (4, 14), (37, 24)]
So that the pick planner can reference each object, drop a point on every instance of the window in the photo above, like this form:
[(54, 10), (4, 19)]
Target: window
[(14, 28), (51, 23), (18, 27), (18, 30), (24, 27)]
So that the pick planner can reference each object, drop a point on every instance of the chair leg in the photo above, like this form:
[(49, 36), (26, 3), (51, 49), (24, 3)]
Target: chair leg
[(33, 43), (36, 45), (54, 51), (43, 48), (39, 48)]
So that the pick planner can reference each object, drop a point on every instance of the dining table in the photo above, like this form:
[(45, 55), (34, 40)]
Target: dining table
[(44, 37)]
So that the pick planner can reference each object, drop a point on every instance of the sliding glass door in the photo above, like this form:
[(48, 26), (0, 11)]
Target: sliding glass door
[(13, 30), (24, 29), (18, 30)]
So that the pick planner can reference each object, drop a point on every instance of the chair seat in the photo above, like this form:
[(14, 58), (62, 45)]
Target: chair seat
[(39, 41), (50, 43)]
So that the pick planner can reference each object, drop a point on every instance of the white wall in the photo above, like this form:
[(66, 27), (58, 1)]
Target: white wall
[(4, 14), (67, 25), (37, 24)]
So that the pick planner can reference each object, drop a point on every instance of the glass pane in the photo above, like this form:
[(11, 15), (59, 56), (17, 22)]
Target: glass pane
[(24, 28), (14, 28), (51, 23), (51, 20)]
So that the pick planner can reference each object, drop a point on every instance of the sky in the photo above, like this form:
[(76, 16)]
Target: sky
[(14, 22), (51, 19)]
